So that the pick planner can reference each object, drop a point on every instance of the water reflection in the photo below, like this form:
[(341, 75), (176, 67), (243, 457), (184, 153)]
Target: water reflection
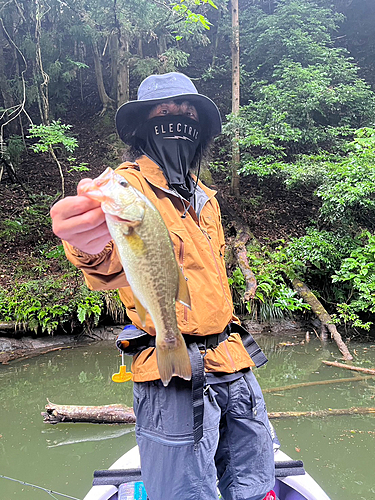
[(337, 451)]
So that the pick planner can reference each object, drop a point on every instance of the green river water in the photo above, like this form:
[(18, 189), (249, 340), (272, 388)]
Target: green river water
[(338, 452)]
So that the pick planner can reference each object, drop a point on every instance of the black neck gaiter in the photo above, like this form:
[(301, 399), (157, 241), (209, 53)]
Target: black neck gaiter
[(171, 141)]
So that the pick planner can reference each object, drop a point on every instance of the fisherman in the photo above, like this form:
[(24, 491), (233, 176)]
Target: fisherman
[(215, 426)]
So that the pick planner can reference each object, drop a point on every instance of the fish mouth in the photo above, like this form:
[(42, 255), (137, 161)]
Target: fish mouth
[(116, 218), (119, 220)]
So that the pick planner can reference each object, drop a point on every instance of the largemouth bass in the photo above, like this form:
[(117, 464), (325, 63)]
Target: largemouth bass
[(147, 256)]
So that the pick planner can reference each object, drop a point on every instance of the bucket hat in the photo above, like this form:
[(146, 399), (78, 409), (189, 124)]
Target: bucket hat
[(156, 89)]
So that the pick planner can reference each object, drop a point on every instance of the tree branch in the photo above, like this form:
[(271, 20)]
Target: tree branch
[(323, 316)]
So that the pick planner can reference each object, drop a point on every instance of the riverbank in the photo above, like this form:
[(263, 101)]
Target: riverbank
[(27, 346)]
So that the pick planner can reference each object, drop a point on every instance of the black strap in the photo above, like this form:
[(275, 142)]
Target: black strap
[(255, 352), (197, 382), (289, 468), (205, 342), (115, 477)]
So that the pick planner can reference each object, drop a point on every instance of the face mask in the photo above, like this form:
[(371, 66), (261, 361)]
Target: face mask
[(171, 141)]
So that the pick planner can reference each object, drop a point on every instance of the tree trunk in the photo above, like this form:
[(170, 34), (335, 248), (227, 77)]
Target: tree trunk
[(322, 413), (243, 263), (122, 70), (317, 382), (43, 87), (109, 414), (241, 238), (113, 44), (215, 43), (140, 48), (326, 320), (348, 367), (6, 93), (104, 97), (235, 182), (161, 44)]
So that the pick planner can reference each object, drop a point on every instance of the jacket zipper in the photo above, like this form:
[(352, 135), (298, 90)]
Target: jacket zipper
[(208, 237), (181, 264)]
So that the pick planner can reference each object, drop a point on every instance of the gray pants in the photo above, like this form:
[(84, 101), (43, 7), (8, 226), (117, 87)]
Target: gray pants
[(236, 446)]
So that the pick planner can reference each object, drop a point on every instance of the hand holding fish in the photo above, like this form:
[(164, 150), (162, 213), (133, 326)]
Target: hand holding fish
[(81, 222)]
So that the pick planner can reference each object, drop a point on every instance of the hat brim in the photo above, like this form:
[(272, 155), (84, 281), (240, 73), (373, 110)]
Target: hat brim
[(131, 114)]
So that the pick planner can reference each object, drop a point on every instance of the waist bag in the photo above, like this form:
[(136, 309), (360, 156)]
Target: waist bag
[(132, 341)]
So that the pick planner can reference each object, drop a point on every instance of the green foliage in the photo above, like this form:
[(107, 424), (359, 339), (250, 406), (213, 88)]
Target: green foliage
[(348, 190), (90, 305), (303, 93), (274, 298), (82, 167), (342, 268), (52, 136), (44, 304), (14, 149), (31, 225), (319, 252), (182, 8), (357, 274)]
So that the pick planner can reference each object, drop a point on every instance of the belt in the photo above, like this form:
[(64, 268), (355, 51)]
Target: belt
[(207, 341)]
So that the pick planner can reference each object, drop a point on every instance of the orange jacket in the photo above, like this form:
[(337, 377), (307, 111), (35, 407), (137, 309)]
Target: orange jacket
[(198, 242)]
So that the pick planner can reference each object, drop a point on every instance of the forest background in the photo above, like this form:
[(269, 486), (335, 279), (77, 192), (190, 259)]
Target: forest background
[(305, 129)]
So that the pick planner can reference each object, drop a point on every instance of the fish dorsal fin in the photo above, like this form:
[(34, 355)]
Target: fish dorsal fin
[(183, 295), (141, 311)]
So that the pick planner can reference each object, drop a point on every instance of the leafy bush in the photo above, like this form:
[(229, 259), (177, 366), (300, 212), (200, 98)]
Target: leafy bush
[(52, 136), (274, 298), (348, 190), (47, 303), (14, 149), (303, 93), (357, 274), (319, 252)]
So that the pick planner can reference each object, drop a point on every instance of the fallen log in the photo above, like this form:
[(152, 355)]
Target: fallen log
[(369, 371), (9, 326), (323, 316), (322, 413), (7, 357), (122, 414), (318, 382), (108, 414)]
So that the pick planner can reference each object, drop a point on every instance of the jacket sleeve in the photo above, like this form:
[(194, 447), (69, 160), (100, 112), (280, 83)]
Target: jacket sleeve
[(102, 271)]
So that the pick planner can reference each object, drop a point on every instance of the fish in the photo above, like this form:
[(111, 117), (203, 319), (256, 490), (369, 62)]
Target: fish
[(147, 256)]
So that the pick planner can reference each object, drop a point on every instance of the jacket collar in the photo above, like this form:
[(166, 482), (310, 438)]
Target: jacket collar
[(154, 175)]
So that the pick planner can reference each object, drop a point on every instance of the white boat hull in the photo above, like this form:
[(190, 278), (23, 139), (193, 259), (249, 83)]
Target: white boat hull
[(304, 486)]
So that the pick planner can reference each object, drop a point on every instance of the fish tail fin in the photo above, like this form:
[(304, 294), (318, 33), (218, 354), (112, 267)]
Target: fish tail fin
[(173, 359)]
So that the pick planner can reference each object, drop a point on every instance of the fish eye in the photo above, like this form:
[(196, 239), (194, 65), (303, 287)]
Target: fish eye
[(124, 183)]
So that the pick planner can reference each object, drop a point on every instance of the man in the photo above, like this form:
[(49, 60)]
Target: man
[(214, 426)]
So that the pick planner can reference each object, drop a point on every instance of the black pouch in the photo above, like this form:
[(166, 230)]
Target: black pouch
[(132, 340)]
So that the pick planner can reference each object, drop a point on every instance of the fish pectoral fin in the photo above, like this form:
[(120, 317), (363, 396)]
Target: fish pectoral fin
[(141, 311), (183, 295)]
